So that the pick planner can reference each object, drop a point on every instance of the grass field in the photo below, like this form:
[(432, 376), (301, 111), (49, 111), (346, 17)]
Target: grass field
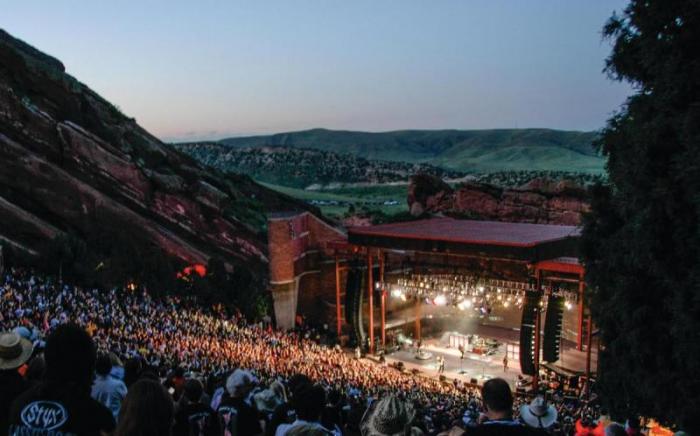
[(337, 202)]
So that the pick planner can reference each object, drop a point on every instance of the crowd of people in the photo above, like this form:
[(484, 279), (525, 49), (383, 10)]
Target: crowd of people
[(85, 361)]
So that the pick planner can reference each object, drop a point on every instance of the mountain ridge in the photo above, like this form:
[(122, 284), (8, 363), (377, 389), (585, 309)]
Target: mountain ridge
[(478, 150)]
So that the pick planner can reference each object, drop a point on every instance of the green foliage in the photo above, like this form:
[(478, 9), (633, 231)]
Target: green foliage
[(472, 151), (300, 167), (380, 217), (388, 199), (238, 289), (513, 179), (641, 242)]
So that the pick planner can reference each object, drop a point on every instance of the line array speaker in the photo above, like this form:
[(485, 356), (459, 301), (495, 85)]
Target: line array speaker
[(527, 333), (552, 329)]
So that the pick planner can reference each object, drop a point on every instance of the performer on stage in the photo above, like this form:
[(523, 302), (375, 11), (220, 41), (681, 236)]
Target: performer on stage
[(505, 362), (441, 364)]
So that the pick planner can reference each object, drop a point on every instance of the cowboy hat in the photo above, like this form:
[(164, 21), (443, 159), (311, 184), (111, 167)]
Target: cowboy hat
[(389, 417), (538, 413), (14, 350)]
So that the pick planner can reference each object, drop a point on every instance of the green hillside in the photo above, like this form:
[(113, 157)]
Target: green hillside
[(463, 150), (304, 167)]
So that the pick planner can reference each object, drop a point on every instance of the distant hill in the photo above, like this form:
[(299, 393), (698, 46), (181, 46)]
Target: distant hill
[(475, 151), (304, 167)]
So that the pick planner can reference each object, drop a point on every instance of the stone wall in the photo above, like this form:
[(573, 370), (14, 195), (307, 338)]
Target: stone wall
[(302, 269)]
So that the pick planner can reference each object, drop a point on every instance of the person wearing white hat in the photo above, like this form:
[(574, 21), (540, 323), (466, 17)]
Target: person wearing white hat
[(14, 352), (538, 414)]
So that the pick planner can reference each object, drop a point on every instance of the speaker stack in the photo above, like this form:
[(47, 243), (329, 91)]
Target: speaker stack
[(353, 302), (527, 332), (552, 329)]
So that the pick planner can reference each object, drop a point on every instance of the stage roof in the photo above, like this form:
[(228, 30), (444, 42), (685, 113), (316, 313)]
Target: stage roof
[(521, 241)]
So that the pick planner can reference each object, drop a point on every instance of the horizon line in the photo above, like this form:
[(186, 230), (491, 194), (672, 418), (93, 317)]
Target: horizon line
[(213, 137)]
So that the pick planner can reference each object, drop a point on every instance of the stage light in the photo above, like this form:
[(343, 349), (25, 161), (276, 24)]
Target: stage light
[(499, 298), (481, 289), (440, 300), (506, 304), (464, 304), (403, 297), (568, 305), (396, 292)]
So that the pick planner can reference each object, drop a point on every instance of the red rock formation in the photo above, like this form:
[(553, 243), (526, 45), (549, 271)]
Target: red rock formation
[(72, 163), (540, 201)]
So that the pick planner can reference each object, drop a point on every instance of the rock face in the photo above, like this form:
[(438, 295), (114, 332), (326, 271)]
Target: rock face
[(72, 163), (540, 201)]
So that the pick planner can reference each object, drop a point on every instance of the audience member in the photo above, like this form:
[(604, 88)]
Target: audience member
[(389, 417), (14, 352), (497, 418), (147, 411), (106, 389), (62, 402), (193, 417)]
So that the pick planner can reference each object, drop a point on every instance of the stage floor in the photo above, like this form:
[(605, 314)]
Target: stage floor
[(482, 367)]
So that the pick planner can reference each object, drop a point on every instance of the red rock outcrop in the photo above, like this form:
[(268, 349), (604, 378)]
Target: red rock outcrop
[(540, 201), (72, 163)]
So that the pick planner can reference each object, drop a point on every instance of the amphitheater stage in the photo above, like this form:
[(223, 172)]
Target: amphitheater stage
[(481, 367)]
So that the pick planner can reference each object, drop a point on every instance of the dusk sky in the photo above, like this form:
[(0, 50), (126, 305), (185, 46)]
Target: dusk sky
[(205, 70)]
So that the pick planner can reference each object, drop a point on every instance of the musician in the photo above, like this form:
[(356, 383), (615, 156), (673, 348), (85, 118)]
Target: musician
[(441, 364)]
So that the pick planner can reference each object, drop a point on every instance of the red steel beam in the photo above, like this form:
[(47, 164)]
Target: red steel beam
[(370, 290), (337, 297)]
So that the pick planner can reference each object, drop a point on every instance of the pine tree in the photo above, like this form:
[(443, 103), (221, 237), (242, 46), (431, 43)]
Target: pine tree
[(641, 241)]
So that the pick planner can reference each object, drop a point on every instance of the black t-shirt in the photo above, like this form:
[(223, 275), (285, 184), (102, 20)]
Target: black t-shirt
[(283, 414), (11, 386), (52, 409), (503, 428), (195, 419), (235, 411)]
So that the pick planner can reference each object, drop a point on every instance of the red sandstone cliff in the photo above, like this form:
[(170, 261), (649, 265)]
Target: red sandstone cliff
[(70, 162), (540, 201)]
